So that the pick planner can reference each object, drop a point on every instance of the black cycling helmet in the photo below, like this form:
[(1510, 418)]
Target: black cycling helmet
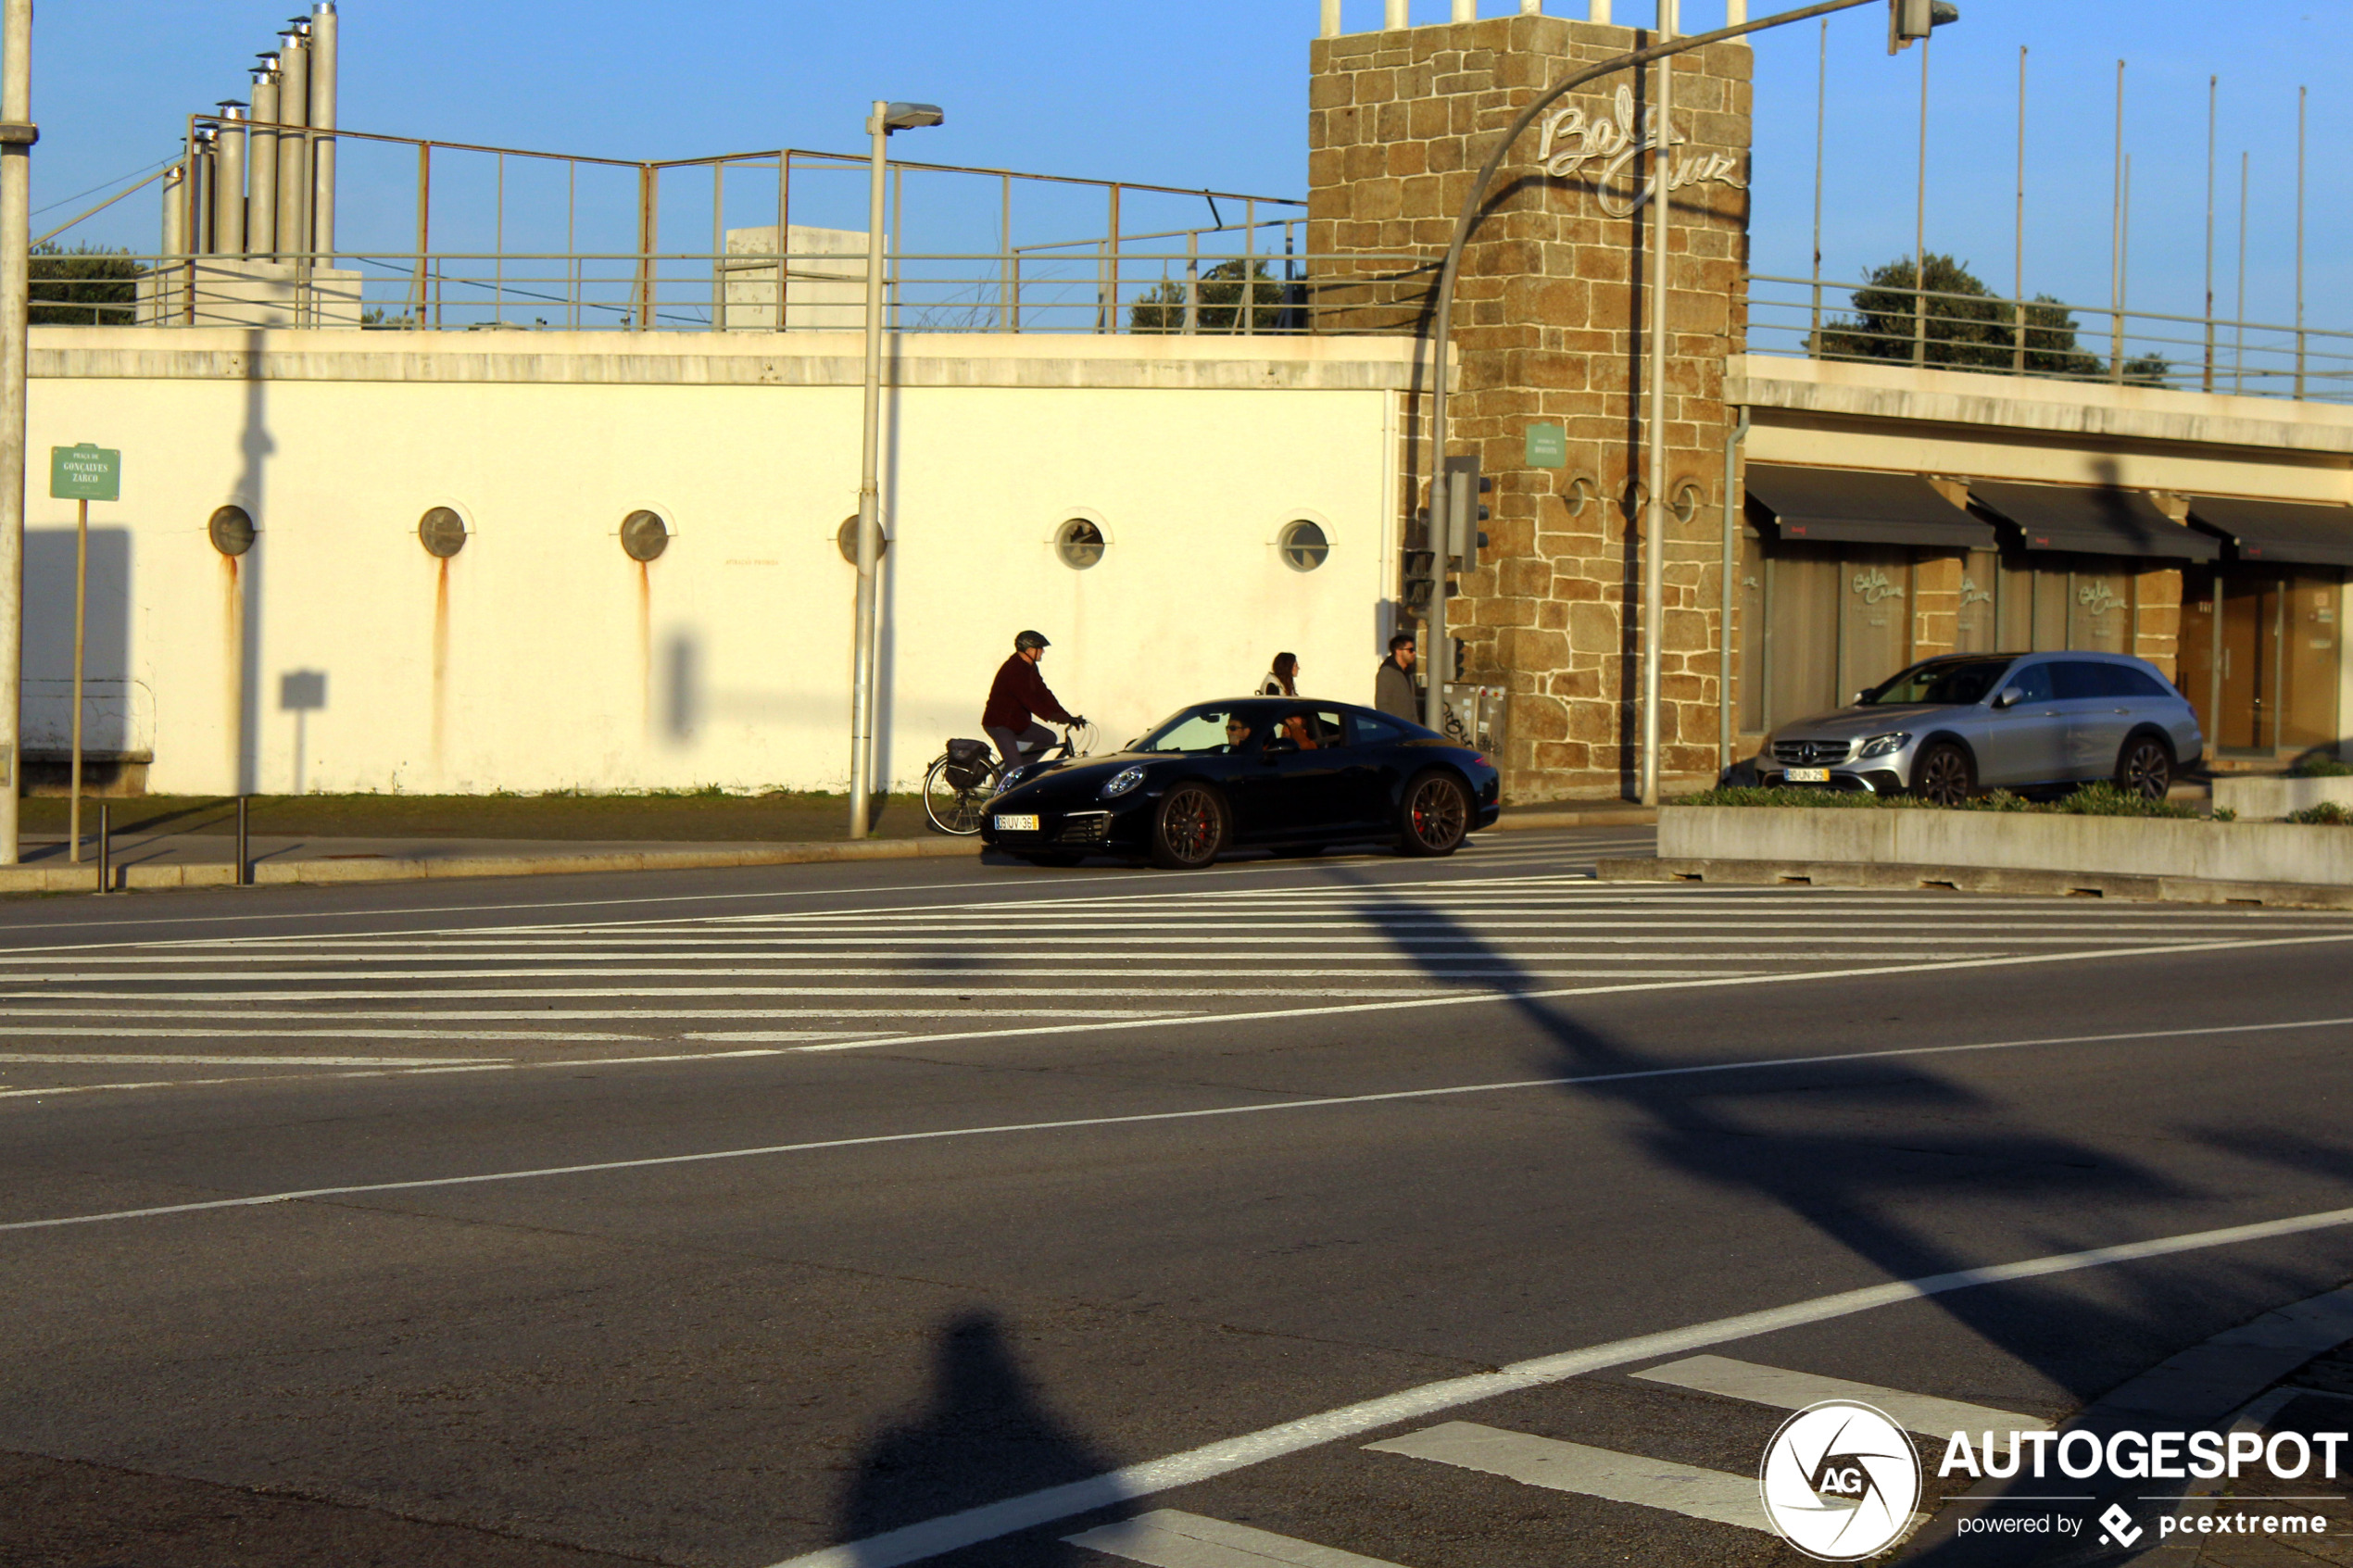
[(1029, 640)]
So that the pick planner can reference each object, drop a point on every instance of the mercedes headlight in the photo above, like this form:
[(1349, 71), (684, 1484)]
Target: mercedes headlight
[(1881, 746), (1122, 782)]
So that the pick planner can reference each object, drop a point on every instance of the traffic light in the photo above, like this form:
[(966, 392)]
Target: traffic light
[(1421, 581), (1464, 485), (1908, 20)]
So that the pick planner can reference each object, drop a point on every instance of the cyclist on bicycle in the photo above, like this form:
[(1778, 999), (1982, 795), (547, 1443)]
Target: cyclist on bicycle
[(1017, 699)]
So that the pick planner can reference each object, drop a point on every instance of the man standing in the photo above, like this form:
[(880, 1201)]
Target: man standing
[(1393, 681), (1017, 698)]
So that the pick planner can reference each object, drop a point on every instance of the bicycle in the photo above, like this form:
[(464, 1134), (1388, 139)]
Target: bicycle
[(964, 779)]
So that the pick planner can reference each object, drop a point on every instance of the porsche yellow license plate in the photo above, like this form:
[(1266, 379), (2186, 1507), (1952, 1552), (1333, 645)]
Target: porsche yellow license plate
[(1790, 775), (1022, 822)]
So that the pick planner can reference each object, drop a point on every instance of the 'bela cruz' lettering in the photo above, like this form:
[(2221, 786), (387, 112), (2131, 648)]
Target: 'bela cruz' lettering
[(1572, 139)]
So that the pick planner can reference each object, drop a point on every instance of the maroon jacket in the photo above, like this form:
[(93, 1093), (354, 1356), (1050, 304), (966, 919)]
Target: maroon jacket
[(1017, 694)]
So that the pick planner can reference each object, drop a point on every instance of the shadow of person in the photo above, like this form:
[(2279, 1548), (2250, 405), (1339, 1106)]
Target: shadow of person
[(985, 1436)]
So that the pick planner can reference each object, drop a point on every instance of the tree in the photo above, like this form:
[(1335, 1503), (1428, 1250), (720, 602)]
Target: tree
[(86, 286), (1220, 302), (1968, 326)]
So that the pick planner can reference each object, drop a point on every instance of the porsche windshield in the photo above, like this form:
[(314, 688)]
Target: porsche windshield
[(1204, 728)]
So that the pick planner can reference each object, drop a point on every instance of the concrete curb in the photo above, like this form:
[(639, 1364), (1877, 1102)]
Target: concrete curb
[(138, 878), (332, 871), (1976, 879), (1595, 817)]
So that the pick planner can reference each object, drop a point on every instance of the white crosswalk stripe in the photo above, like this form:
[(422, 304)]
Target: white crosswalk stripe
[(1573, 1467), (1069, 955), (1168, 1537), (1924, 1414)]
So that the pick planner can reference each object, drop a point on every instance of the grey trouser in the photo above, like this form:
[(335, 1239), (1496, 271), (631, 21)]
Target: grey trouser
[(1011, 745)]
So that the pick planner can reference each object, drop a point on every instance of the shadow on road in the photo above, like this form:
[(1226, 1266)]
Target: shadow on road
[(1891, 1162), (986, 1434)]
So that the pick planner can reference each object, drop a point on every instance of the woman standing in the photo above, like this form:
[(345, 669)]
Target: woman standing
[(1283, 680)]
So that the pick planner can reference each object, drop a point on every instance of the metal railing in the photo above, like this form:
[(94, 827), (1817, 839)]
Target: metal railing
[(1084, 287), (2042, 337)]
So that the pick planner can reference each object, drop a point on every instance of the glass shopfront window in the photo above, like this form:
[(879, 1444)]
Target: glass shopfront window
[(1875, 617), (1974, 631), (2266, 679)]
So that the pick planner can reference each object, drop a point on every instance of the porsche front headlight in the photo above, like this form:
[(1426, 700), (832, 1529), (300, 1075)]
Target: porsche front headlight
[(1122, 782)]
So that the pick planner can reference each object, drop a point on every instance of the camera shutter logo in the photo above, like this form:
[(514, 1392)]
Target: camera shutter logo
[(1840, 1481)]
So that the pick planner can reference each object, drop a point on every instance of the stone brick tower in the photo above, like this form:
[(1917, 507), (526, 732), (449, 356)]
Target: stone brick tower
[(1552, 322)]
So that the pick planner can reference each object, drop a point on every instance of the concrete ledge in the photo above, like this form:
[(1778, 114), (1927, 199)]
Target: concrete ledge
[(730, 358), (1975, 879), (83, 878), (1581, 816), (2142, 846), (2261, 799)]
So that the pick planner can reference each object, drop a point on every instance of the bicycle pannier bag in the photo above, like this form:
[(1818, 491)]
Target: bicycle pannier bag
[(967, 762)]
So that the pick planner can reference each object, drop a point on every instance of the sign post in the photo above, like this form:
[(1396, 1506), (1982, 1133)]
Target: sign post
[(82, 474)]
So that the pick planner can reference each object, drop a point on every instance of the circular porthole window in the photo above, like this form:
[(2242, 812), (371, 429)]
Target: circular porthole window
[(1304, 545), (643, 535), (846, 540), (232, 530), (442, 531), (1080, 543)]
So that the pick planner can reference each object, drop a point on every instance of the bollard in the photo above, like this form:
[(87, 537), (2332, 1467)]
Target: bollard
[(106, 850), (244, 861)]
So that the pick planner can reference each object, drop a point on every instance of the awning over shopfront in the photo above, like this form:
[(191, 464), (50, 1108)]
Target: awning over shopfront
[(1846, 506), (2094, 521), (2282, 533)]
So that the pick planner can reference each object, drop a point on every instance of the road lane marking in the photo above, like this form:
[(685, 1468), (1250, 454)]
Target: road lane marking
[(1924, 1414), (548, 1014), (1132, 1119), (1463, 998), (950, 1532), (1599, 1472), (1167, 1537), (1429, 876), (119, 1032), (58, 1059)]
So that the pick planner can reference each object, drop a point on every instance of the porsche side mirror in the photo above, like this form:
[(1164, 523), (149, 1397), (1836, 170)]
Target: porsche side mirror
[(2010, 697)]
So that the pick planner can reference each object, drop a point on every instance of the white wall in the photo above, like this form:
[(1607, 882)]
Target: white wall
[(541, 657)]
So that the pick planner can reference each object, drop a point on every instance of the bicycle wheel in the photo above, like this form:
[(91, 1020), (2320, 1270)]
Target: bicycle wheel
[(953, 808)]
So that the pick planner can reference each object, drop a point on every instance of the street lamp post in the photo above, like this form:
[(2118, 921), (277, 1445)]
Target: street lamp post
[(16, 137), (884, 120), (1434, 708)]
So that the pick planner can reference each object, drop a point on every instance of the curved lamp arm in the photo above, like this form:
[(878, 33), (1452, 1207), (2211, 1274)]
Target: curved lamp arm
[(1470, 217)]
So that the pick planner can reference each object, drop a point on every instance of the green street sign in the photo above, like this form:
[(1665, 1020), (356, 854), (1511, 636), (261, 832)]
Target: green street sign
[(86, 474), (1547, 446)]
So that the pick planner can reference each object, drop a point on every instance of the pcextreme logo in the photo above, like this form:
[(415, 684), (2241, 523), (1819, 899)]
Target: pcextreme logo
[(1840, 1481)]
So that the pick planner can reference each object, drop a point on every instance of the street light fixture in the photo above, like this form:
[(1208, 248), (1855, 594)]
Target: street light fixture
[(884, 119)]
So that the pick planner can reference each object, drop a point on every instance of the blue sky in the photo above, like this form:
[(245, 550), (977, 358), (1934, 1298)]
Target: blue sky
[(1213, 92)]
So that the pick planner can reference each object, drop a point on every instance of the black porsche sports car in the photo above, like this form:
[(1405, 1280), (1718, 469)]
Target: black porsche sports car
[(1249, 772)]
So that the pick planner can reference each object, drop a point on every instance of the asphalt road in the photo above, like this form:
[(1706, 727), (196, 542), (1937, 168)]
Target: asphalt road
[(727, 1218)]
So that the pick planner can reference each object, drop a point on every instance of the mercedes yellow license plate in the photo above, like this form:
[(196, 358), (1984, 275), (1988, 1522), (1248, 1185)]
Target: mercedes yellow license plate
[(1025, 822), (1793, 775)]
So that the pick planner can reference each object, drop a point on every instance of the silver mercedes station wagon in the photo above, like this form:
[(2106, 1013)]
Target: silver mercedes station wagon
[(1949, 727)]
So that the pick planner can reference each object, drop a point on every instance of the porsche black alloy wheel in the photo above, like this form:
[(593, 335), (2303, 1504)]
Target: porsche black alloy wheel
[(2144, 768), (1188, 828), (1942, 776), (1435, 816)]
